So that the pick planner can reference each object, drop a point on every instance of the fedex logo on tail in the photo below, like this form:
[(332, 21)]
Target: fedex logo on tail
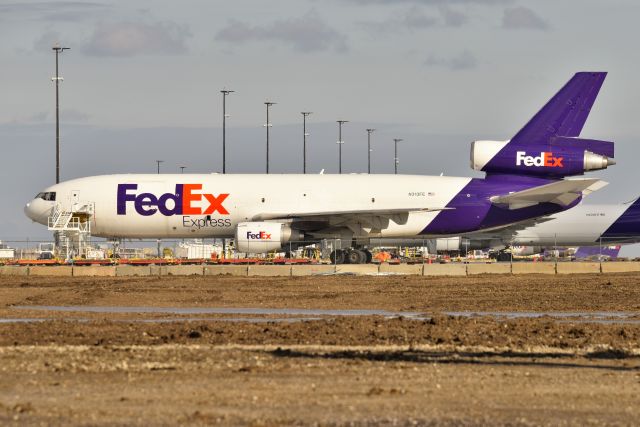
[(545, 158), (187, 200), (261, 235)]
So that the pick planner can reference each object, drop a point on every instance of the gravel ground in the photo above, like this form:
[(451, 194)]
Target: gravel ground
[(89, 368)]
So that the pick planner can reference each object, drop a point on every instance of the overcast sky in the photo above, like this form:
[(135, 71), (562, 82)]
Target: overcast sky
[(142, 82)]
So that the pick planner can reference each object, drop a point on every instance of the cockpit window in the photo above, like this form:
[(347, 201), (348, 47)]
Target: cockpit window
[(49, 196)]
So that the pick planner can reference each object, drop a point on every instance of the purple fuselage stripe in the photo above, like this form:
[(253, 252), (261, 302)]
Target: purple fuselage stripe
[(473, 211), (626, 227)]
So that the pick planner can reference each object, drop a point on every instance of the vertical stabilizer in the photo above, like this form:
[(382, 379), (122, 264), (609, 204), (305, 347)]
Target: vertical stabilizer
[(548, 145)]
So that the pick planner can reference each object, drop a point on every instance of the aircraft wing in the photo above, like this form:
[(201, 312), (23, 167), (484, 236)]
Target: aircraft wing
[(560, 192), (505, 234), (361, 222)]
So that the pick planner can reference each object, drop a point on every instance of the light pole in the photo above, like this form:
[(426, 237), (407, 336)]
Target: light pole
[(395, 158), (369, 132), (182, 168), (304, 140), (224, 93), (158, 162), (340, 142), (268, 125), (57, 49)]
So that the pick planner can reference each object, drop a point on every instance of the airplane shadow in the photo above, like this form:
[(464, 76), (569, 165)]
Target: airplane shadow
[(487, 358)]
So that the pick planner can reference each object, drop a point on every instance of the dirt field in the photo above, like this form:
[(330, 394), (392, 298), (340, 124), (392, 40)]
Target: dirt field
[(158, 367)]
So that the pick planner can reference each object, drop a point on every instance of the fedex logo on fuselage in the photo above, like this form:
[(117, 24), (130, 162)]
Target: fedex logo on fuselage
[(187, 200), (261, 235), (545, 158)]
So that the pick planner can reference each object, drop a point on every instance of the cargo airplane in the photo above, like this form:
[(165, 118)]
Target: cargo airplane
[(525, 180), (586, 225)]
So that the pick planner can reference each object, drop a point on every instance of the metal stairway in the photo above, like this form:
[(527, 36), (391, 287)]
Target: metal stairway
[(59, 220), (71, 228)]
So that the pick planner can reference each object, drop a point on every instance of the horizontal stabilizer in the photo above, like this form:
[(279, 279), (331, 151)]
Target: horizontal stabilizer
[(560, 192), (604, 148)]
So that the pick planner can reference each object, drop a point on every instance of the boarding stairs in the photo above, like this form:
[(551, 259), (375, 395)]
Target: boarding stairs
[(71, 226), (59, 220)]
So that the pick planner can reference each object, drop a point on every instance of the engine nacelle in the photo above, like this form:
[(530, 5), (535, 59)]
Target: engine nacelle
[(260, 237), (463, 244), (526, 250), (449, 244), (559, 158)]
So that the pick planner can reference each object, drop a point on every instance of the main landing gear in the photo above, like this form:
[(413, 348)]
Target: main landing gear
[(351, 256)]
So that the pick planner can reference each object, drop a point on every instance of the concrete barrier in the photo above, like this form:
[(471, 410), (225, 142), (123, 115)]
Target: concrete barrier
[(357, 269), (232, 270), (312, 269), (58, 270), (94, 270), (533, 268), (14, 270), (184, 270), (269, 270), (445, 270), (133, 270), (157, 270), (415, 269), (620, 267), (578, 267), (492, 268)]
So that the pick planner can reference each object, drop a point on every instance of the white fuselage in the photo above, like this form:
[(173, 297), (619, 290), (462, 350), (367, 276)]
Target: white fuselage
[(249, 198), (582, 225)]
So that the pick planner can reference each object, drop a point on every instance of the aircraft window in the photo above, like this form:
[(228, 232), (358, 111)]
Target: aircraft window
[(48, 196), (39, 196)]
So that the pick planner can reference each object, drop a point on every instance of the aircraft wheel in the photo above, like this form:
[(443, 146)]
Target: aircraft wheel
[(369, 256), (503, 256), (356, 256), (337, 256)]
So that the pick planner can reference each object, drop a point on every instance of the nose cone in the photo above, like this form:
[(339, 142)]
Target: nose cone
[(38, 210)]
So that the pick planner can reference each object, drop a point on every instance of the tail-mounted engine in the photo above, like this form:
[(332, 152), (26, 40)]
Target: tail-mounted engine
[(560, 157)]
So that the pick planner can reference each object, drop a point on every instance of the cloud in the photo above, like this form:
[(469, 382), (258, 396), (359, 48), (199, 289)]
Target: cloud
[(433, 2), (35, 118), (308, 33), (74, 116), (48, 117), (522, 18), (45, 42), (463, 61), (415, 19), (136, 38), (452, 17), (53, 11)]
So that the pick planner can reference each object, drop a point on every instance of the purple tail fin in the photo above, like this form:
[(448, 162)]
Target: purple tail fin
[(549, 145), (566, 113)]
